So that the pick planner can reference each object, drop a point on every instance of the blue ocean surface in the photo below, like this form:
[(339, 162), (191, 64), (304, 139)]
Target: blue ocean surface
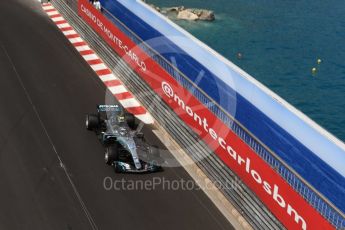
[(280, 42)]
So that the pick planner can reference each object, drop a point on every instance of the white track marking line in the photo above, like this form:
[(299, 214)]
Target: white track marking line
[(64, 25), (69, 32), (117, 89), (83, 48), (108, 77), (53, 13), (75, 40), (48, 7), (62, 165), (58, 19), (130, 102), (98, 67), (90, 57)]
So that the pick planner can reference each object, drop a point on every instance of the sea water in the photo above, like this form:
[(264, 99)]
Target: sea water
[(280, 42)]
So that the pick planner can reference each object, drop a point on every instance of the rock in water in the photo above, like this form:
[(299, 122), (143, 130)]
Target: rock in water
[(207, 15), (196, 14), (187, 15)]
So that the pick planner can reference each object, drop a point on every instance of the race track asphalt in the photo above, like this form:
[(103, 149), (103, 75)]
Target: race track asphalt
[(52, 170)]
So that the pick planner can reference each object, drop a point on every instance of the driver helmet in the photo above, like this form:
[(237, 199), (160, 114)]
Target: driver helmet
[(120, 118)]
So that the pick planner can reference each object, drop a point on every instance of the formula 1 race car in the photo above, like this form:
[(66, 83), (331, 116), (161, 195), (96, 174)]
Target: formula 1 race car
[(125, 147)]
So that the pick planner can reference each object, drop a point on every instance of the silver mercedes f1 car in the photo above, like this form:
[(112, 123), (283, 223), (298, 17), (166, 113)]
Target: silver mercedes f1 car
[(125, 147)]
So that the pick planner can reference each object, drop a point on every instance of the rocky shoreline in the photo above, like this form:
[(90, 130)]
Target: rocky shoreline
[(182, 13)]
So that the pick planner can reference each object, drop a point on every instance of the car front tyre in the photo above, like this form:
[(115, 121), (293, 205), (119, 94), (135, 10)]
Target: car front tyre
[(92, 122)]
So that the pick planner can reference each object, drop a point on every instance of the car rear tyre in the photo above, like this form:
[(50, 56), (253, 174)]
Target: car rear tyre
[(92, 122), (111, 154)]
